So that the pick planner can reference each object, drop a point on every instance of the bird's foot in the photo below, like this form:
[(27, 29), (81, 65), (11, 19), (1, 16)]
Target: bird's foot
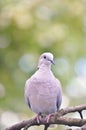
[(47, 118), (38, 118)]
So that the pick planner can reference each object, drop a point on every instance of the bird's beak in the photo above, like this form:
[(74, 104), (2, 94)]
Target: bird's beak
[(52, 61)]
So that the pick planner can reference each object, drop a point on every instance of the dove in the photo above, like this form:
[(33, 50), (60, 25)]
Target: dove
[(43, 92)]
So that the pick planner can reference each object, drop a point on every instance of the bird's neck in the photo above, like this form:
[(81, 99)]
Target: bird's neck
[(44, 67)]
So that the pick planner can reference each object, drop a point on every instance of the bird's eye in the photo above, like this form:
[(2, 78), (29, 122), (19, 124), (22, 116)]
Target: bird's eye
[(44, 57)]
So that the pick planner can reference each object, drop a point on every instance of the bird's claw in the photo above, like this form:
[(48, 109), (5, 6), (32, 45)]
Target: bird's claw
[(38, 118), (47, 118)]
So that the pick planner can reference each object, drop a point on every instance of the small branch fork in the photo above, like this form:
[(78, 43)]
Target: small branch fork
[(56, 118)]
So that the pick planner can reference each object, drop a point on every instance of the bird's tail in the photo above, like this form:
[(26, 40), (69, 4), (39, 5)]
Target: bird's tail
[(50, 126), (46, 126)]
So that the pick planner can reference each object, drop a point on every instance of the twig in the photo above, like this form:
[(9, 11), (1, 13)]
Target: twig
[(56, 118)]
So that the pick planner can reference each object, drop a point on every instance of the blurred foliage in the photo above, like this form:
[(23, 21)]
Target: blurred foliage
[(29, 28)]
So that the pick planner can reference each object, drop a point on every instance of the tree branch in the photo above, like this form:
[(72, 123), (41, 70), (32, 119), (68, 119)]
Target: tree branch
[(56, 118)]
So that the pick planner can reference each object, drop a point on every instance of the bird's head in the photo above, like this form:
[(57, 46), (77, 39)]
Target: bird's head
[(46, 59)]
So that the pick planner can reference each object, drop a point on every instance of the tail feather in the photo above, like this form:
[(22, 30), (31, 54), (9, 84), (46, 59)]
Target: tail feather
[(46, 126)]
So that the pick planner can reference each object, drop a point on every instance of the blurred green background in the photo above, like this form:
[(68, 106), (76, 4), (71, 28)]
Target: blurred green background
[(29, 28)]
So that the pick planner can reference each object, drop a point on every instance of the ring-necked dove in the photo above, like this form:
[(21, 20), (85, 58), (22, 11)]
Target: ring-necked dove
[(42, 90)]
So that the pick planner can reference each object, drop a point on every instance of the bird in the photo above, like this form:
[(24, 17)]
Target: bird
[(43, 91)]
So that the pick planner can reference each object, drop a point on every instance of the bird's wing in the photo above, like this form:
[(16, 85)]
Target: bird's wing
[(27, 95), (59, 94)]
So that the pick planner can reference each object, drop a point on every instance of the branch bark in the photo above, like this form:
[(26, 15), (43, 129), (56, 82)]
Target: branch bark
[(56, 118)]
